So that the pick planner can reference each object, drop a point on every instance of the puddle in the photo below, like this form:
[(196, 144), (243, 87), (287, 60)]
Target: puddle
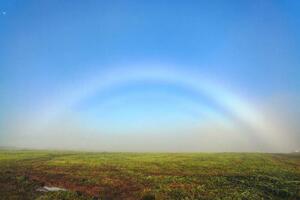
[(50, 189)]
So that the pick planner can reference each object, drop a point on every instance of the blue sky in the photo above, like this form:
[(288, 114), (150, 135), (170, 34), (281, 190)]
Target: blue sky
[(52, 52)]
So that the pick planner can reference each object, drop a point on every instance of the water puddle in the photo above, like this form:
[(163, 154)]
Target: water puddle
[(50, 189)]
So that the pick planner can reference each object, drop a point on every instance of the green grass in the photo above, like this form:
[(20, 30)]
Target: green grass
[(149, 175)]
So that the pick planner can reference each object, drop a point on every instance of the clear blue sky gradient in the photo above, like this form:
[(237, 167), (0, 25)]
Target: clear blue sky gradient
[(252, 46)]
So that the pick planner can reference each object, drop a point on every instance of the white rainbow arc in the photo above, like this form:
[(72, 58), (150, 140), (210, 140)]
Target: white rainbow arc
[(232, 103)]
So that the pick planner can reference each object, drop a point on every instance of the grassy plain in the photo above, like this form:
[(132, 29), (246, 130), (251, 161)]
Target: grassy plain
[(149, 175)]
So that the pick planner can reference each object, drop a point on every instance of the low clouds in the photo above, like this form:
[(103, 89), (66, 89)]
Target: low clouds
[(67, 132)]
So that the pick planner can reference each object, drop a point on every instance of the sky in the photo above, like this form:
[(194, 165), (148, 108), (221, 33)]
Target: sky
[(157, 76)]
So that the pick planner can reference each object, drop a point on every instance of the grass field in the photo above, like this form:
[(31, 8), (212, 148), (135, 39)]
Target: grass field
[(149, 175)]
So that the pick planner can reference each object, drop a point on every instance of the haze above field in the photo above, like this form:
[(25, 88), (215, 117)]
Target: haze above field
[(150, 75)]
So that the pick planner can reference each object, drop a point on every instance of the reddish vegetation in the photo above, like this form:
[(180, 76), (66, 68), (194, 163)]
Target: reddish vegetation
[(60, 177)]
